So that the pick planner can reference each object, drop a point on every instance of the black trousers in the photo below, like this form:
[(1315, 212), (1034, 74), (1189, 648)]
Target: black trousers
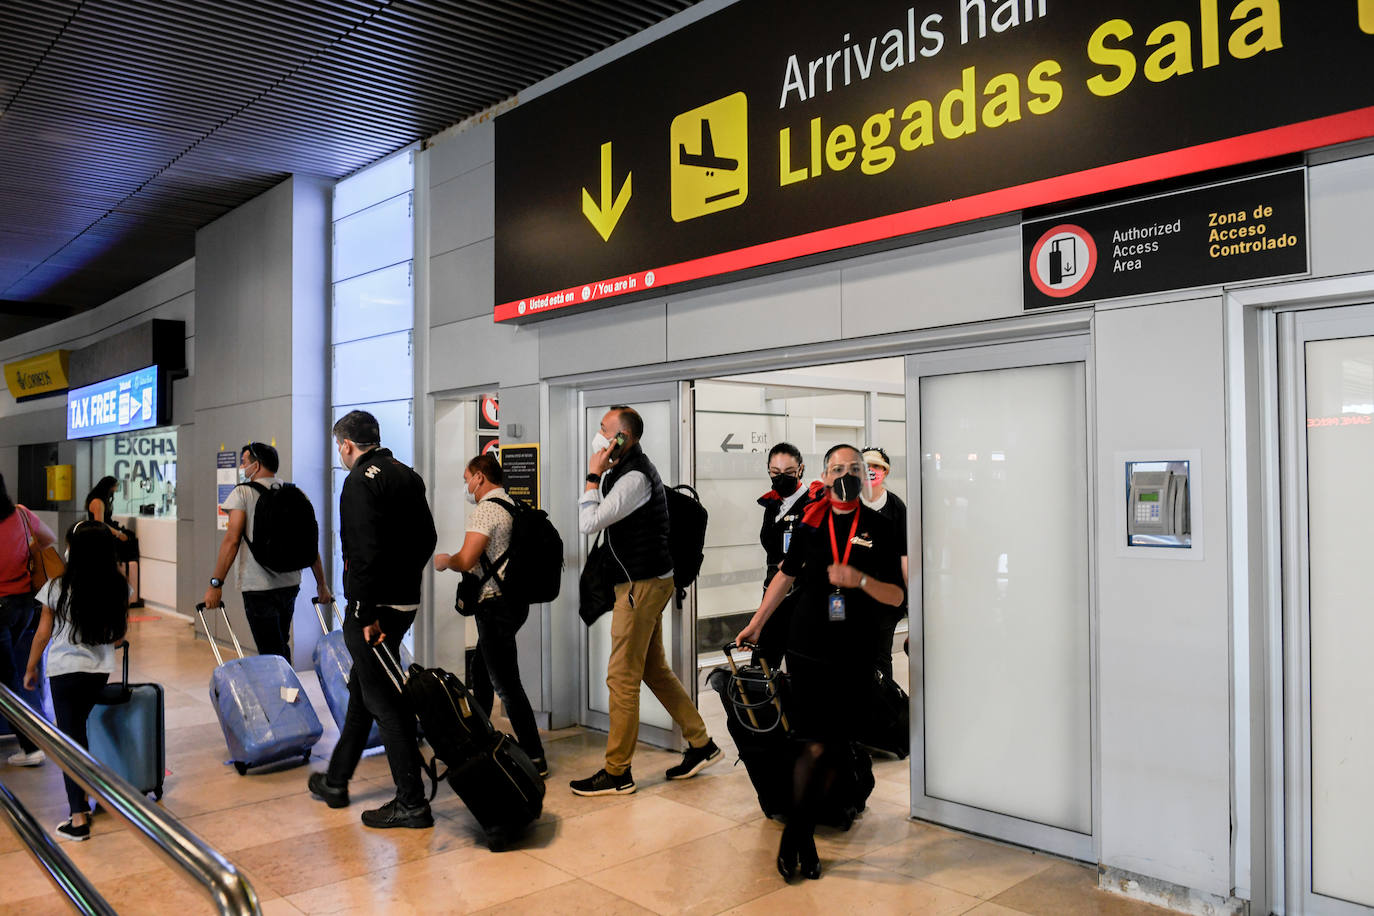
[(498, 668), (18, 623), (73, 697), (372, 696), (269, 615)]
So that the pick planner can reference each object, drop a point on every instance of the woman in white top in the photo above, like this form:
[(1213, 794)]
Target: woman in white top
[(85, 612)]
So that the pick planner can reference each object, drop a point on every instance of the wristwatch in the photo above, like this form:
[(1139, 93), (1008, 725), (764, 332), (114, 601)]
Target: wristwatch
[(594, 478), (863, 581), (216, 583)]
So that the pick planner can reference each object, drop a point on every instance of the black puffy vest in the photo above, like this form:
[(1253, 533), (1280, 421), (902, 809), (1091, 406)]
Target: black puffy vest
[(639, 542)]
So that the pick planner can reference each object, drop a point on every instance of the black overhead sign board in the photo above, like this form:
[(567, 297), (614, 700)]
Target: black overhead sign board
[(773, 129), (1223, 233)]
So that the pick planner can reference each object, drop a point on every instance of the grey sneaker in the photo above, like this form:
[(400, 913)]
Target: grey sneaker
[(603, 783), (694, 760)]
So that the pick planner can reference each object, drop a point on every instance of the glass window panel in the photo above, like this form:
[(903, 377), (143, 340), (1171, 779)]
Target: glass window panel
[(377, 303), (1340, 503), (377, 237), (395, 419), (1005, 586), (375, 184), (375, 369)]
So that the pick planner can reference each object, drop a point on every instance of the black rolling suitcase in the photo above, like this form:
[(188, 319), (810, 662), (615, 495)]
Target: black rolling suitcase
[(754, 699), (486, 768), (886, 718)]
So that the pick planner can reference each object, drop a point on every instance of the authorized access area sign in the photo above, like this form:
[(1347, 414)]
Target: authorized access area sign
[(1223, 233), (773, 130)]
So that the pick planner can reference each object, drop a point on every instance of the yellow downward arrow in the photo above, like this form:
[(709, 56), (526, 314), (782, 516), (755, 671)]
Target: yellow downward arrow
[(604, 217)]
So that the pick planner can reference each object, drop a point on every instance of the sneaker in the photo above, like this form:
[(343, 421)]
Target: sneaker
[(694, 760), (334, 796), (604, 783), (395, 814), (77, 834), (21, 759), (541, 765)]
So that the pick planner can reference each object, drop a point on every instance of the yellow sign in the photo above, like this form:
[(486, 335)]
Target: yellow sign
[(604, 216), (59, 482), (42, 374), (709, 157), (1367, 16)]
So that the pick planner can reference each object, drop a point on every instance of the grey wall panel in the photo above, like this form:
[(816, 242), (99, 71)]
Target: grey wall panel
[(950, 281), (46, 424), (1341, 197), (625, 335), (462, 151), (190, 587), (463, 210), (1164, 632), (464, 354), (244, 277), (797, 308), (462, 283)]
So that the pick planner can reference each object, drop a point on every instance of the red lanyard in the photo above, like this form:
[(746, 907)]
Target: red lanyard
[(849, 545)]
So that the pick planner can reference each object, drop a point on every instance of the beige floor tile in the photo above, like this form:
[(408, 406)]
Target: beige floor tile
[(572, 898), (51, 905), (880, 825), (856, 887), (993, 909), (273, 820), (462, 881), (723, 789), (279, 907), (23, 878), (592, 842), (892, 792), (701, 877), (1069, 889), (971, 866)]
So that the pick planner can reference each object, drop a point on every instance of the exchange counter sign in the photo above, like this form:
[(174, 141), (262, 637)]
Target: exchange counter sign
[(770, 131)]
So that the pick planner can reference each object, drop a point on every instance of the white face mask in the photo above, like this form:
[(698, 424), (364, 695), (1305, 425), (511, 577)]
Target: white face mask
[(600, 443), (469, 496)]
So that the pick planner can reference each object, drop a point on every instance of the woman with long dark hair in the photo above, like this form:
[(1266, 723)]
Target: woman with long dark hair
[(100, 508), (846, 560), (85, 612), (18, 612)]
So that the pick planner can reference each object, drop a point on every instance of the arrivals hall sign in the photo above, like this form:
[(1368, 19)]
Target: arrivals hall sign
[(773, 130)]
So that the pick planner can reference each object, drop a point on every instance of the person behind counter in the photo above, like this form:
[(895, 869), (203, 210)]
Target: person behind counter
[(100, 508)]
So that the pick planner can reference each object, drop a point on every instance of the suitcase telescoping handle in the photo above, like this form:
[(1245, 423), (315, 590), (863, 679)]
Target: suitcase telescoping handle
[(124, 644), (391, 665), (319, 612), (214, 646), (769, 675)]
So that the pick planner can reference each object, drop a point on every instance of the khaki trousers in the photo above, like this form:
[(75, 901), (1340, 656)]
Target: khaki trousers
[(637, 655)]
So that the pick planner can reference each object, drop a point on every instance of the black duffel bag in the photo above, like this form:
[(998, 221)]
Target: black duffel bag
[(595, 588)]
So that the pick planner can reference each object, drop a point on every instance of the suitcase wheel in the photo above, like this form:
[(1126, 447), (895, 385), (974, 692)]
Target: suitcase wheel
[(157, 795), (305, 758), (241, 767)]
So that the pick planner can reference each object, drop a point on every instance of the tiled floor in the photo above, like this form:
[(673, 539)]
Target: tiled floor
[(695, 846)]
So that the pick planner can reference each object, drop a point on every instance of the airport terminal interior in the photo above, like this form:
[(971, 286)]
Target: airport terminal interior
[(1089, 287)]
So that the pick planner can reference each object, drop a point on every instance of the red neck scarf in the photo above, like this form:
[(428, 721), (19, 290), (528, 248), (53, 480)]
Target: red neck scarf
[(818, 510)]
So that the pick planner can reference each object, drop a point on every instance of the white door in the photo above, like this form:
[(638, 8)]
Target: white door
[(1327, 379), (660, 407), (1001, 623)]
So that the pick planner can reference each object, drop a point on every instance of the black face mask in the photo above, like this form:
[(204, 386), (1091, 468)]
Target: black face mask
[(784, 484), (847, 488)]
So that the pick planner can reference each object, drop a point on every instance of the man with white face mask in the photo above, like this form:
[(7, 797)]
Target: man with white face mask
[(625, 498), (890, 506)]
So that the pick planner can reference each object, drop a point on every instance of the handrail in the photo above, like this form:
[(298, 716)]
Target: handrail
[(61, 870), (231, 892)]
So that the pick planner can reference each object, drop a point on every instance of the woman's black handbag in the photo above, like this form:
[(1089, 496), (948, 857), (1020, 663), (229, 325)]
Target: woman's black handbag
[(596, 590)]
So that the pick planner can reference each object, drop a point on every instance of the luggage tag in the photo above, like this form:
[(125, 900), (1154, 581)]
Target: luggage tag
[(836, 608)]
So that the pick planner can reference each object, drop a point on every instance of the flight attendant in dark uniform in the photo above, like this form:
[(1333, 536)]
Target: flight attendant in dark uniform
[(845, 559), (782, 511)]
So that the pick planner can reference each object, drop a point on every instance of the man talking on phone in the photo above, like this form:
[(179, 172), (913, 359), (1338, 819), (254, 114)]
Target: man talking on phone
[(624, 497)]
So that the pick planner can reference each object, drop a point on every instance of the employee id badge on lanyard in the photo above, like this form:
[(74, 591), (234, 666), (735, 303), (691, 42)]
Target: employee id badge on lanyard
[(836, 604), (836, 607)]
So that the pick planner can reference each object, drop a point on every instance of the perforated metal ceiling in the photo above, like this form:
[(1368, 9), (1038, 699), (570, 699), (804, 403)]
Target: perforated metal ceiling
[(127, 125)]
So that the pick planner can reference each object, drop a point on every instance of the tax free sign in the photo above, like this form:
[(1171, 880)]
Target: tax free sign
[(126, 402), (773, 130)]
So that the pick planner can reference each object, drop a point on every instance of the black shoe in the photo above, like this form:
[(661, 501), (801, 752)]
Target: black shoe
[(334, 796), (809, 859), (70, 832), (603, 783), (694, 760), (541, 766), (787, 857), (395, 814)]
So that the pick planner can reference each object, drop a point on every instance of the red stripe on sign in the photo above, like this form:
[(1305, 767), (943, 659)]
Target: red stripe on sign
[(1277, 141)]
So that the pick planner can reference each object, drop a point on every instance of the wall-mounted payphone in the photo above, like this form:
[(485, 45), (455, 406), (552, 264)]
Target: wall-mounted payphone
[(1158, 511)]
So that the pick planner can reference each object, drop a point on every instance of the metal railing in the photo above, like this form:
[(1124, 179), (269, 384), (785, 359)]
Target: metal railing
[(60, 869), (230, 891)]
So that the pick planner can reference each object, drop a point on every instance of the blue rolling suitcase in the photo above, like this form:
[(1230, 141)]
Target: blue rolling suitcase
[(263, 711), (333, 663), (127, 731)]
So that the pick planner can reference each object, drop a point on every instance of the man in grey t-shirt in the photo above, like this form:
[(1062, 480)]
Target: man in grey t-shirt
[(269, 598)]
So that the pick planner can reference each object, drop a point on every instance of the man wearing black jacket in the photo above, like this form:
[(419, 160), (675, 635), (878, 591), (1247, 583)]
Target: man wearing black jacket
[(388, 537)]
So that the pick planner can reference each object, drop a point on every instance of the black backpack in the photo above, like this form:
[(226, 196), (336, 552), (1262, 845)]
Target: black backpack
[(285, 534), (534, 559), (686, 536)]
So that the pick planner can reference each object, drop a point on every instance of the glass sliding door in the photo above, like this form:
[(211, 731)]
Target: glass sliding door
[(1328, 428), (1001, 628)]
